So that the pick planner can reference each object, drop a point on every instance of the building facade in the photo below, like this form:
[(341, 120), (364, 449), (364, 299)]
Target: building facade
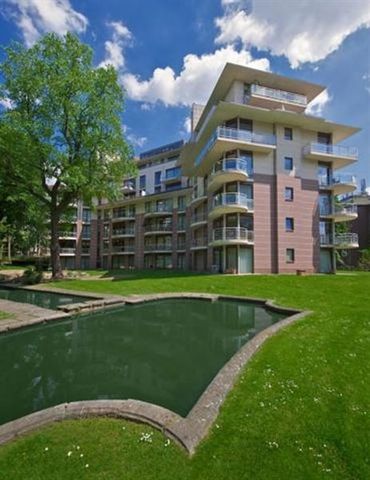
[(254, 190)]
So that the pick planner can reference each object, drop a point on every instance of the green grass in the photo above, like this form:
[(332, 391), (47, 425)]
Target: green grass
[(5, 315), (300, 410)]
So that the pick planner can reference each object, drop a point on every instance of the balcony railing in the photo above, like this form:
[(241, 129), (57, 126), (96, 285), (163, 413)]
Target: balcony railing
[(236, 164), (339, 209), (85, 250), (123, 231), (335, 150), (279, 95), (235, 134), (123, 214), (181, 246), (68, 234), (181, 226), (174, 174), (129, 185), (199, 242), (239, 199), (159, 247), (339, 239), (325, 181), (123, 249), (158, 228), (159, 209), (233, 233), (199, 217), (68, 250)]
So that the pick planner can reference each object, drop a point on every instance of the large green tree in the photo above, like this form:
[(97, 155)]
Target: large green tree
[(61, 140)]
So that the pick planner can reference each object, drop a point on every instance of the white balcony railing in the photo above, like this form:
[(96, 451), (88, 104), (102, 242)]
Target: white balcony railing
[(339, 209), (199, 242), (199, 217), (334, 150), (117, 232), (325, 181), (236, 164), (233, 233), (68, 251), (159, 209), (238, 135), (239, 199), (339, 239), (68, 234), (158, 228), (279, 95)]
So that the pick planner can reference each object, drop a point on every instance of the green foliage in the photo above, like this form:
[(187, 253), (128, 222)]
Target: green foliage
[(364, 261), (32, 276)]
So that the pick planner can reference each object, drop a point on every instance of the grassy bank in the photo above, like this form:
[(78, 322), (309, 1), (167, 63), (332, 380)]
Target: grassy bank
[(300, 410)]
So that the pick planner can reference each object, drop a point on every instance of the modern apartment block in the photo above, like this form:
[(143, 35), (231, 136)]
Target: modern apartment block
[(253, 191)]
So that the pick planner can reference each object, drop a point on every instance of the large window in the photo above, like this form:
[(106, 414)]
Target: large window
[(142, 182), (157, 177)]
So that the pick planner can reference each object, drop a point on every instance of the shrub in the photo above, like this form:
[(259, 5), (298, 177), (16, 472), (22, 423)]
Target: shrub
[(364, 261), (31, 276)]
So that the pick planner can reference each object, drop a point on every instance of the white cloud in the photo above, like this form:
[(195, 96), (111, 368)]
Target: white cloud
[(195, 81), (133, 139), (36, 17), (187, 125), (303, 31), (317, 106), (366, 77), (114, 49), (6, 103)]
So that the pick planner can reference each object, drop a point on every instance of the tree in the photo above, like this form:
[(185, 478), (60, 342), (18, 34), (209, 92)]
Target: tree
[(62, 139)]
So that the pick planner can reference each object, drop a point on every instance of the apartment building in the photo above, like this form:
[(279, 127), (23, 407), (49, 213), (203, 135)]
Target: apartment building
[(361, 227), (254, 190)]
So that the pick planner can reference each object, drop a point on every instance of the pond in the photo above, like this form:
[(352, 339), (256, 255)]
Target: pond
[(165, 352), (41, 299)]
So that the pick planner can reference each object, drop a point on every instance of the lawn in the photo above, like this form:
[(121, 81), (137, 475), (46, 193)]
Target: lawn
[(5, 315), (300, 410)]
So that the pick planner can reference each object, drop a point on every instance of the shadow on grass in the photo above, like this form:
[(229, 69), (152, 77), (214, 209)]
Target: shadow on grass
[(119, 275)]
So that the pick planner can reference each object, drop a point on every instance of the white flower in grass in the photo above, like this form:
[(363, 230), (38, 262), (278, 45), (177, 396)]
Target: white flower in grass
[(87, 465), (69, 453), (167, 442), (46, 449), (78, 447), (81, 455)]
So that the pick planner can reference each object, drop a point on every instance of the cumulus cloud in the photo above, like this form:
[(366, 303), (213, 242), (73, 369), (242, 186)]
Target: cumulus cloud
[(303, 31), (318, 104), (134, 140), (195, 81), (114, 48), (36, 17), (366, 77)]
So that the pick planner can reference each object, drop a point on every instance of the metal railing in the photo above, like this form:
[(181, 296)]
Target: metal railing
[(123, 248), (68, 250), (346, 239), (199, 217), (159, 247), (116, 232), (326, 239), (123, 214), (129, 184), (335, 150), (338, 209), (235, 134), (158, 228), (326, 181), (181, 246), (199, 242), (172, 174), (233, 233), (68, 234), (232, 199), (237, 164), (85, 250), (280, 95), (159, 209)]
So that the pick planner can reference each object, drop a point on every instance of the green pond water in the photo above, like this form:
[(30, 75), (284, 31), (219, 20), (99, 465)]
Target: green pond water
[(41, 299), (164, 352)]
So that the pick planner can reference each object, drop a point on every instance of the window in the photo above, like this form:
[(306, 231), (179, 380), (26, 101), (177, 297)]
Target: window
[(289, 194), (181, 205), (157, 177), (157, 189), (86, 215), (289, 224), (288, 133), (288, 163), (142, 181), (86, 231), (290, 255)]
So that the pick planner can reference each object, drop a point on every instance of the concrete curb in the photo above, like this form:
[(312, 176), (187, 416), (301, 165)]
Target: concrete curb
[(187, 432)]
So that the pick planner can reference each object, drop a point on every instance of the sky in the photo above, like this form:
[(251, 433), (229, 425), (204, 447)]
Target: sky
[(169, 54)]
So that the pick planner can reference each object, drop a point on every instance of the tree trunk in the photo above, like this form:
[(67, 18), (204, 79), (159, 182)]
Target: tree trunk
[(9, 249), (56, 266)]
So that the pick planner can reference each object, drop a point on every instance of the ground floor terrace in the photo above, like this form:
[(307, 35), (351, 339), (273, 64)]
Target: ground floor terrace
[(299, 410)]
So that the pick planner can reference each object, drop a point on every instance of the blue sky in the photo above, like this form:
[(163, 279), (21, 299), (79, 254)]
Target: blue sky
[(169, 53)]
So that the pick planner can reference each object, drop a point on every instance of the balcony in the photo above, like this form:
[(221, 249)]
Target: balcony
[(161, 247), (198, 196), (68, 235), (172, 175), (123, 249), (85, 250), (340, 240), (67, 251), (123, 232), (198, 219), (230, 203), (272, 98), (232, 236), (128, 186), (181, 246), (157, 228), (225, 138), (161, 209), (230, 170), (199, 243), (338, 155), (338, 184), (340, 212), (122, 215)]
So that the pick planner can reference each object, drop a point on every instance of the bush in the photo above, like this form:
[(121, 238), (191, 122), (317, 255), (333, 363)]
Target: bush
[(364, 262), (31, 276)]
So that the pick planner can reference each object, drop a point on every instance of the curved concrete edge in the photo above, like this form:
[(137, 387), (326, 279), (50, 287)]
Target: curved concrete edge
[(187, 432)]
